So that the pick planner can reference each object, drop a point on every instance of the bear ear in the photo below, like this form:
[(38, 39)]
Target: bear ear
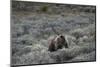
[(61, 35)]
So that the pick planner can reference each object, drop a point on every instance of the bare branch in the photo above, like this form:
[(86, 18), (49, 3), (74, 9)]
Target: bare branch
[(54, 30)]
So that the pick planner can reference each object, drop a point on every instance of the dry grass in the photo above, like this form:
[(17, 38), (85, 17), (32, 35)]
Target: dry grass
[(30, 33)]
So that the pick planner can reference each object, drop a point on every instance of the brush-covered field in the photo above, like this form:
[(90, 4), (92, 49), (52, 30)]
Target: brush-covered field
[(30, 31)]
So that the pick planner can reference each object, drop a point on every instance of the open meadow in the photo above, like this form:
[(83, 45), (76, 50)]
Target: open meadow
[(31, 27)]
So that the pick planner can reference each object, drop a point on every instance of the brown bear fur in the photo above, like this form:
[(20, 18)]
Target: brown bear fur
[(57, 42)]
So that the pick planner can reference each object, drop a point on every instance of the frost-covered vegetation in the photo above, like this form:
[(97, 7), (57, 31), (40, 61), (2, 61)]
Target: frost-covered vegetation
[(31, 25)]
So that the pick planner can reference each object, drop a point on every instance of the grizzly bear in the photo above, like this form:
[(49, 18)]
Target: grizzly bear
[(57, 42)]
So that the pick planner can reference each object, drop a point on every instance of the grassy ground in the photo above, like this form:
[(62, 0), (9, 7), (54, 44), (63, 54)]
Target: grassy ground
[(31, 31)]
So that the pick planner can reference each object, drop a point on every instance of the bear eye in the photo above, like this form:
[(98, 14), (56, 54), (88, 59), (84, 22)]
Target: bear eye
[(61, 36)]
